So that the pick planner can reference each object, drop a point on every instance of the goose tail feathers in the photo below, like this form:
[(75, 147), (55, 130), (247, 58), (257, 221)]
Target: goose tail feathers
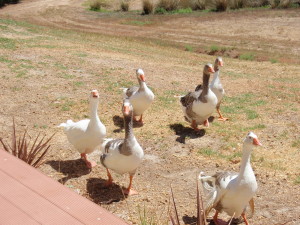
[(68, 123)]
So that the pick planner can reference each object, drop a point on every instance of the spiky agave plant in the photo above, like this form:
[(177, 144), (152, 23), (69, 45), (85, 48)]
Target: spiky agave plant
[(201, 218), (20, 147)]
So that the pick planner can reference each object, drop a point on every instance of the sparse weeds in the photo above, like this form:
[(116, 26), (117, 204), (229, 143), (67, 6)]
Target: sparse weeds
[(213, 49), (207, 152), (296, 143), (251, 114), (5, 59), (78, 83), (146, 217), (297, 180), (138, 22), (189, 48), (7, 43), (247, 56), (65, 104), (273, 60), (255, 127)]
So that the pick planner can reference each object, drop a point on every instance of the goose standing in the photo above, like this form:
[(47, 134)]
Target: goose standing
[(140, 97), (123, 155), (85, 135), (217, 87), (231, 192), (199, 105)]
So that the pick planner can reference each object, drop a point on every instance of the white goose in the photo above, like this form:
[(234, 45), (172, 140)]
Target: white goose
[(85, 135), (231, 192), (217, 87), (199, 105), (123, 155), (140, 97)]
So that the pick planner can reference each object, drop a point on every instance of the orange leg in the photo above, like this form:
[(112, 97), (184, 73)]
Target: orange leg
[(89, 164), (194, 125), (245, 219), (128, 190), (221, 118), (206, 123), (141, 119), (110, 180), (215, 218)]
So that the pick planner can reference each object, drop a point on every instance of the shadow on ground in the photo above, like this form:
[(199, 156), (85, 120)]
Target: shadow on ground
[(119, 122), (184, 132), (71, 168), (104, 195)]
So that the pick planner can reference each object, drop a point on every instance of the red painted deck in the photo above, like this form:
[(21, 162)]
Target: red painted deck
[(29, 197)]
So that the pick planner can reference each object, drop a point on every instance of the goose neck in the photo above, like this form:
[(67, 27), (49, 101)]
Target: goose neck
[(128, 125), (93, 110), (246, 168), (216, 77), (143, 85), (205, 85)]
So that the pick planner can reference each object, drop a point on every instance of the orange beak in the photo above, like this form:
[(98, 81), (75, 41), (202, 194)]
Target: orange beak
[(142, 77), (95, 94), (256, 142), (211, 70), (126, 110), (220, 63)]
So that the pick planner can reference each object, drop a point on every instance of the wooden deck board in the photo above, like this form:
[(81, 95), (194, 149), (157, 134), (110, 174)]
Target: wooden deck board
[(11, 214), (38, 198)]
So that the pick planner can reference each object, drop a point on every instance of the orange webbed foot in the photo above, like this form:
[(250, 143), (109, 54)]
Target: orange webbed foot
[(129, 192)]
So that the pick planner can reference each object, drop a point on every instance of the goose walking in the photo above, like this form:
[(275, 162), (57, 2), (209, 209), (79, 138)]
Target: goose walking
[(217, 87), (199, 105), (140, 97), (123, 155), (85, 135), (232, 192)]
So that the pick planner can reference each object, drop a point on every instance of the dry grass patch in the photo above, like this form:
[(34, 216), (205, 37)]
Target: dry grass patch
[(97, 5), (124, 5), (148, 7)]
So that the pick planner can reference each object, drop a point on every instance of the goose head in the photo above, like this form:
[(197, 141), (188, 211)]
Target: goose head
[(208, 69), (127, 109), (218, 63), (140, 75), (251, 140), (94, 96)]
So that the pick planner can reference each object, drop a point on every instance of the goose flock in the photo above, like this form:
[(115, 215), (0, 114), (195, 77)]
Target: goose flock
[(226, 191)]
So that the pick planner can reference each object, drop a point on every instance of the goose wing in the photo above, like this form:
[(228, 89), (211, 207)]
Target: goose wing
[(130, 91), (215, 187), (189, 98)]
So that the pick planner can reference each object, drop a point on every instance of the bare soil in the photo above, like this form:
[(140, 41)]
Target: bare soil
[(58, 51)]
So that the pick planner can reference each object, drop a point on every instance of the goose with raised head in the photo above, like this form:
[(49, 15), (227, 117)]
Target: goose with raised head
[(232, 192), (217, 87), (85, 135), (199, 105), (123, 155), (140, 97)]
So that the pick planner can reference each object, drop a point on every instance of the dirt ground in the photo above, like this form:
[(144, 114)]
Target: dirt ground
[(53, 53)]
